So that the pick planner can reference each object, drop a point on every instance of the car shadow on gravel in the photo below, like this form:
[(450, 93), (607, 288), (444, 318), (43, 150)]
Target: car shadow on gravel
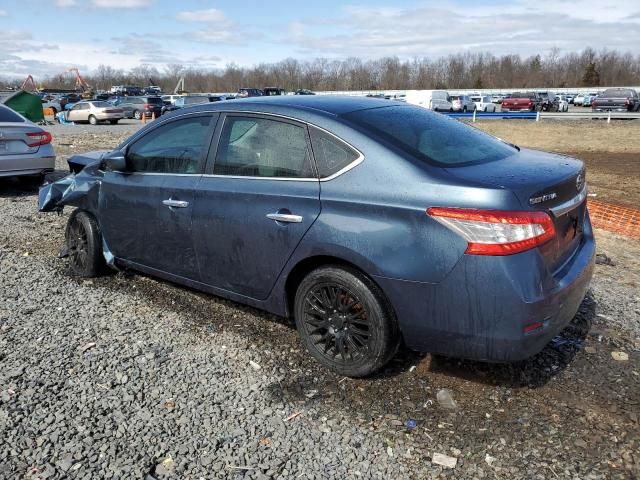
[(19, 187), (207, 313)]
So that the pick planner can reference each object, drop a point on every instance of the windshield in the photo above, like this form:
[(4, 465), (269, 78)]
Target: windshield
[(430, 136)]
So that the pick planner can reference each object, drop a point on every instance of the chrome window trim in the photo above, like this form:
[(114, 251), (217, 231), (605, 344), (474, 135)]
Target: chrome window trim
[(569, 205), (340, 172)]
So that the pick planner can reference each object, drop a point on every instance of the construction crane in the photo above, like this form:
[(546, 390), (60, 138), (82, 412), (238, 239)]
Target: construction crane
[(81, 84), (29, 82), (179, 87)]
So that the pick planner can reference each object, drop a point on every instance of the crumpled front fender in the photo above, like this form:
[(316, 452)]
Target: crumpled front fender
[(76, 189)]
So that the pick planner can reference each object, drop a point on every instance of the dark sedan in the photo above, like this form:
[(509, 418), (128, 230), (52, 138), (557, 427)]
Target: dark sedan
[(369, 221)]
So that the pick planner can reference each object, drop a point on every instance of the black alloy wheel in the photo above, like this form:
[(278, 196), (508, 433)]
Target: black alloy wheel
[(84, 245), (345, 322)]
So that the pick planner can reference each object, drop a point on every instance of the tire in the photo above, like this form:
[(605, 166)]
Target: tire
[(93, 120), (137, 115), (485, 109), (464, 109), (113, 122), (360, 335), (84, 245)]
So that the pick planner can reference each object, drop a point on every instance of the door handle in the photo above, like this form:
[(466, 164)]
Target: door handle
[(175, 203), (284, 217)]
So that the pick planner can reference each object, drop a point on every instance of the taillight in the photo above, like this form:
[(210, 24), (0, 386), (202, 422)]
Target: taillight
[(529, 103), (496, 232), (593, 103), (38, 138)]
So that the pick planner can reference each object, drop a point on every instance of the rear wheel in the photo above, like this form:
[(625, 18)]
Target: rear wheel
[(84, 245), (345, 322), (137, 114), (464, 109), (93, 120)]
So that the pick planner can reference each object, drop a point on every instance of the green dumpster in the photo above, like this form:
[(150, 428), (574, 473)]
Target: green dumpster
[(26, 104)]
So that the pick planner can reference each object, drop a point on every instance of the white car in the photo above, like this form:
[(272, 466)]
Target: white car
[(579, 99), (563, 103), (483, 103)]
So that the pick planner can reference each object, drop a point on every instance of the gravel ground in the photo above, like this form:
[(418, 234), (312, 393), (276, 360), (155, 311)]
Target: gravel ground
[(124, 376)]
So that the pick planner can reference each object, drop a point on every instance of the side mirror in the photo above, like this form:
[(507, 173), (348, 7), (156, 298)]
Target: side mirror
[(115, 161)]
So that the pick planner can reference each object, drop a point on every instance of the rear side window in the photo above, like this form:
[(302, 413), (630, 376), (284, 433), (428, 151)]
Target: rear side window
[(260, 147), (154, 100), (175, 147), (8, 115), (332, 155), (429, 136)]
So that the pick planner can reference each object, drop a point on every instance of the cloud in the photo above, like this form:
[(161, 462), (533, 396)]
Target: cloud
[(212, 15), (218, 28), (118, 4), (4, 13), (66, 3), (451, 27)]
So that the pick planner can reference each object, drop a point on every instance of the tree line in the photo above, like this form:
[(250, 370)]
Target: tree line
[(588, 68)]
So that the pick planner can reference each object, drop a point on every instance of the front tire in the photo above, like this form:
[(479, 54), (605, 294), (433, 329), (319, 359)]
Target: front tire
[(345, 322), (84, 245)]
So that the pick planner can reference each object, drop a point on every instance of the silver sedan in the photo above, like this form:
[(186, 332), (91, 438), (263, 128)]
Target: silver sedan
[(94, 112), (25, 148)]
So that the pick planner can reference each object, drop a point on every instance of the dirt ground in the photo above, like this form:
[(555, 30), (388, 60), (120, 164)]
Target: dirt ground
[(610, 151)]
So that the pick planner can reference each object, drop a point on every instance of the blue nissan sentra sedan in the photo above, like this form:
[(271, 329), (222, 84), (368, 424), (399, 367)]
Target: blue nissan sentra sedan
[(369, 221)]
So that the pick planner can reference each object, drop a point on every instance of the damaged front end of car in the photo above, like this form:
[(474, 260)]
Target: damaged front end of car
[(80, 189)]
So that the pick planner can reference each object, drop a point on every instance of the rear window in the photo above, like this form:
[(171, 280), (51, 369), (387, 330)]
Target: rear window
[(8, 115), (522, 95), (101, 104), (430, 137), (154, 100), (617, 92)]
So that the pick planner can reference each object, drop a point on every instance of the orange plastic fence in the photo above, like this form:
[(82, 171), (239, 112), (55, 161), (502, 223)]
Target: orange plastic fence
[(615, 218)]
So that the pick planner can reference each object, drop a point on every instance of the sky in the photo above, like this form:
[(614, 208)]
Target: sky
[(46, 37)]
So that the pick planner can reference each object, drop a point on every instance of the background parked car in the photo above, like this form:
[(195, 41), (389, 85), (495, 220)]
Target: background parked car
[(304, 91), (25, 148), (270, 91), (185, 101), (249, 92), (549, 103), (616, 99), (483, 103), (462, 103), (578, 100), (94, 112), (136, 107), (522, 102), (563, 103), (588, 98)]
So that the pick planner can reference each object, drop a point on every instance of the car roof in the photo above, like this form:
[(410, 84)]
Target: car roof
[(327, 104)]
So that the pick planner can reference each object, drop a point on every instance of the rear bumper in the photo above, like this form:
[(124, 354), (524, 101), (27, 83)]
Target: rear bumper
[(480, 310), (110, 116), (610, 109), (26, 165)]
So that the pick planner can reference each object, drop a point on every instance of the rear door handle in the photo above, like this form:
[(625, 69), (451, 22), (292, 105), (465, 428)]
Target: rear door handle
[(175, 203), (284, 217)]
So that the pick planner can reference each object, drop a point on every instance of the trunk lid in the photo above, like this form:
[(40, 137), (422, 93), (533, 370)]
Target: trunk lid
[(541, 181), (14, 139)]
